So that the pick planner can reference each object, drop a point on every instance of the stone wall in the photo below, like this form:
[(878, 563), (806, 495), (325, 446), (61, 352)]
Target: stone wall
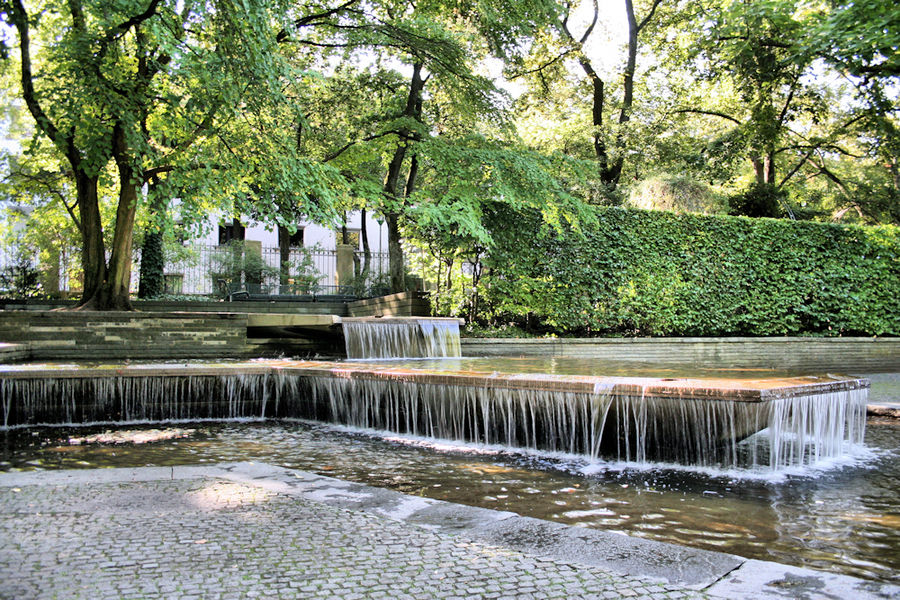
[(796, 353), (404, 304), (151, 335), (125, 335), (311, 308)]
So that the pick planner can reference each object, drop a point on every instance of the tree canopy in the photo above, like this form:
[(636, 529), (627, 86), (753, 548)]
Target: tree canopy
[(433, 115)]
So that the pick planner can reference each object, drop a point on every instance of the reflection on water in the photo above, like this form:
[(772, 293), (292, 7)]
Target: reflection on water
[(578, 366), (844, 520), (561, 365)]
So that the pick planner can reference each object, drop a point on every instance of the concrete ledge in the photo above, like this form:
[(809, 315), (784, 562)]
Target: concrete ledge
[(10, 353), (404, 304), (328, 308), (742, 390), (842, 354), (291, 320)]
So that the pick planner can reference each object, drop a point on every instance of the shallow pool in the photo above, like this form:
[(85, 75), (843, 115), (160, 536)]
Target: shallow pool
[(843, 519)]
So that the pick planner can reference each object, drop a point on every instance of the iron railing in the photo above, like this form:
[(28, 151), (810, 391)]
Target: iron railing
[(200, 269)]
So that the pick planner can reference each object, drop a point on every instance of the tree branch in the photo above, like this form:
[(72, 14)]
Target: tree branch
[(70, 208), (796, 168), (543, 66), (711, 113), (65, 142), (347, 146), (590, 28), (787, 102), (123, 27), (309, 20), (824, 170), (649, 16)]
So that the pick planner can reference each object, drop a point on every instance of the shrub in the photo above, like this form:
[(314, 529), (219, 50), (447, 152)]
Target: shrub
[(657, 273), (676, 194), (236, 264), (21, 278), (761, 200)]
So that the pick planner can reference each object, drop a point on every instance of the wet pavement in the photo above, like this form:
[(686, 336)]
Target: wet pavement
[(244, 530)]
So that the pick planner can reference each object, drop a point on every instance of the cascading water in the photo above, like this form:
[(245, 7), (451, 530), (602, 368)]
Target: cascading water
[(795, 431), (401, 338), (793, 423), (72, 400)]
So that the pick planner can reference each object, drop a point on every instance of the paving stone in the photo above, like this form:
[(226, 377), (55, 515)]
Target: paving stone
[(203, 538)]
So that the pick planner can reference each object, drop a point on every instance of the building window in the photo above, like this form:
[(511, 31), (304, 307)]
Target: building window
[(230, 232), (296, 240)]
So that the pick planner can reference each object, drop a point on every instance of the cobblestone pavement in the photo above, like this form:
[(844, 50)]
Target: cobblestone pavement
[(216, 538)]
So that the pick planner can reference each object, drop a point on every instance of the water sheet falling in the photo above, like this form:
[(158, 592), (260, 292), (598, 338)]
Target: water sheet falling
[(72, 400), (401, 338), (619, 419), (795, 431)]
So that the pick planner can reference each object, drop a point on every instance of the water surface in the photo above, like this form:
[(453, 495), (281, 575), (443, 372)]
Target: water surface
[(844, 519)]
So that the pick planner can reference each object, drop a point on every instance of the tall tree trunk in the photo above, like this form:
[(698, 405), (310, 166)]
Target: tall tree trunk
[(93, 252), (764, 168), (395, 252), (152, 282), (116, 292), (611, 167), (367, 250), (769, 162), (392, 189), (345, 239), (284, 254), (759, 169), (119, 275), (345, 235)]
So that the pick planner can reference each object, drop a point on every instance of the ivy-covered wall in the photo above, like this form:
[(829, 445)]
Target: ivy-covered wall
[(658, 273)]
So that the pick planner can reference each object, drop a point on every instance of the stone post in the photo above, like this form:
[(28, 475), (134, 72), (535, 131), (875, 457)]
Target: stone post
[(344, 268)]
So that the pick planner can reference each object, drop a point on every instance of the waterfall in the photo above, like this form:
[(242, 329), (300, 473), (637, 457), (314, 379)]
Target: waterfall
[(401, 338), (717, 432), (73, 400), (609, 421)]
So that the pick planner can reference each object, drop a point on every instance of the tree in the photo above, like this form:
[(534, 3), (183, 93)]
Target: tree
[(438, 44), (762, 90), (610, 116), (149, 85), (861, 37)]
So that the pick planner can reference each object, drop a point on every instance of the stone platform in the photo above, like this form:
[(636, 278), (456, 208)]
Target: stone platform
[(249, 530), (744, 390)]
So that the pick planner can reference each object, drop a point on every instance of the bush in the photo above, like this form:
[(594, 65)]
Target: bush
[(761, 200), (656, 273), (676, 194), (235, 264), (21, 279)]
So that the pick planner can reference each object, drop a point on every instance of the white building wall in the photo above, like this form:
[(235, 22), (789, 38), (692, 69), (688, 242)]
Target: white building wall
[(313, 234)]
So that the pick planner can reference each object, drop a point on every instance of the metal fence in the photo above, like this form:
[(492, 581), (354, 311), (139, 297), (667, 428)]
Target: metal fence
[(198, 269)]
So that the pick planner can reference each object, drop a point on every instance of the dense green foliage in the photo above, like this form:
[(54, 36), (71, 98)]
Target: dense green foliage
[(146, 116), (655, 273)]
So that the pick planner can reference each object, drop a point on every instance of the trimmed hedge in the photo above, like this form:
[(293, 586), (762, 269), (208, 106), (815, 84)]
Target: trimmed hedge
[(659, 273)]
